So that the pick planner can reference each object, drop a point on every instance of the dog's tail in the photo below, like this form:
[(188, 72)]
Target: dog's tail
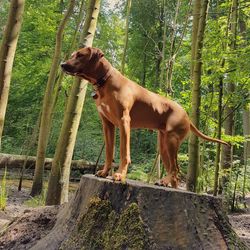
[(205, 137)]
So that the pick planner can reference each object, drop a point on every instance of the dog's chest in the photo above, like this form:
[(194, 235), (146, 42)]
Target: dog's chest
[(105, 109)]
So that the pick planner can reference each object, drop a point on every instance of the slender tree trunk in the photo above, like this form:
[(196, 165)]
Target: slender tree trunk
[(197, 43), (48, 104), (144, 69), (203, 165), (27, 146), (246, 131), (7, 54), (159, 48), (72, 45), (246, 120), (164, 39), (218, 147), (126, 37), (59, 177), (227, 152), (170, 63), (195, 27)]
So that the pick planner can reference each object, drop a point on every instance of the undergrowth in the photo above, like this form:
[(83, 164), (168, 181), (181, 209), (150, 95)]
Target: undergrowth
[(38, 200), (3, 191)]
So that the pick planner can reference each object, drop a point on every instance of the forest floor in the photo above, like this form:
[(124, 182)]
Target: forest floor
[(28, 224), (241, 222)]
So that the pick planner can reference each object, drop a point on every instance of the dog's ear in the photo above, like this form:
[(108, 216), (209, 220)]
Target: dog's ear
[(97, 53), (100, 54)]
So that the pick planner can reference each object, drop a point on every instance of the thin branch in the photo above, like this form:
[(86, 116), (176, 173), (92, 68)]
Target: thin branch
[(148, 36), (236, 107)]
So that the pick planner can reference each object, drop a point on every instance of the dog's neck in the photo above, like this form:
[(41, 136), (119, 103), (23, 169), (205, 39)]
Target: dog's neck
[(98, 73), (101, 81)]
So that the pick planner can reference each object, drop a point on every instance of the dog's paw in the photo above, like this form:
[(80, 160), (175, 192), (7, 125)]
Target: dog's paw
[(174, 183), (119, 177), (164, 182), (102, 173), (158, 183)]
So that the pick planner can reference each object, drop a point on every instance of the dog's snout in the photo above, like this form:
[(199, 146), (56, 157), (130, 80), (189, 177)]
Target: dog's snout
[(63, 65), (67, 67)]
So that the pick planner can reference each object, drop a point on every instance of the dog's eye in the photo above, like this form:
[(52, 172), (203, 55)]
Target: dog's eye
[(79, 55)]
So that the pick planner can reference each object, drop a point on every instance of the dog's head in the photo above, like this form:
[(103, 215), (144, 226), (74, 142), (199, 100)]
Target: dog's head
[(82, 61)]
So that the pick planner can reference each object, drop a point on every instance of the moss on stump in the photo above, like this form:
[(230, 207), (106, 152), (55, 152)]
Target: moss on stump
[(111, 215), (103, 228)]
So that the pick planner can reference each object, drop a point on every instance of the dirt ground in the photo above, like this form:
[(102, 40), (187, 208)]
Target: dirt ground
[(21, 226), (241, 223)]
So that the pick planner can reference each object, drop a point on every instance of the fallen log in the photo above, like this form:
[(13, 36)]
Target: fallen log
[(17, 161), (110, 215)]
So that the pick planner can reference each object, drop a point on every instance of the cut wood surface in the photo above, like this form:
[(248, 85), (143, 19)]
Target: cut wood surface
[(110, 215)]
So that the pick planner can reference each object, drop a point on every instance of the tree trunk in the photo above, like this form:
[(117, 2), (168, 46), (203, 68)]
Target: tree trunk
[(126, 37), (199, 12), (195, 27), (59, 178), (218, 148), (17, 161), (164, 39), (7, 54), (171, 60), (47, 109), (227, 152), (159, 48), (110, 215), (246, 132), (67, 54), (144, 67), (246, 119)]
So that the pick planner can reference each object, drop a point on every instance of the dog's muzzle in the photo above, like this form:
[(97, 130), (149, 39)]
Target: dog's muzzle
[(67, 68)]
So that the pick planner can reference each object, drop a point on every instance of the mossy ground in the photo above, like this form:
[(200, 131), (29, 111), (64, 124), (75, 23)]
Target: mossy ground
[(103, 228)]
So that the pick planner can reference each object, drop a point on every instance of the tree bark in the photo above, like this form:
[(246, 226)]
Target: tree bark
[(195, 27), (126, 37), (164, 40), (104, 214), (246, 132), (227, 152), (7, 54), (218, 148), (48, 104), (59, 177), (17, 162), (171, 60), (246, 120), (196, 66)]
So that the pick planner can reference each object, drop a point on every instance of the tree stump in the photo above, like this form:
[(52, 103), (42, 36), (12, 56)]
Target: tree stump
[(111, 215)]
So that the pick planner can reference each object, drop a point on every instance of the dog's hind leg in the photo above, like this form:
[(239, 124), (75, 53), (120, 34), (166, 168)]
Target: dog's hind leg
[(165, 159), (169, 145), (173, 143)]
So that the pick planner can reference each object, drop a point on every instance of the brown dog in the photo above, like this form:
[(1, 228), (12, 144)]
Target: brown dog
[(125, 104)]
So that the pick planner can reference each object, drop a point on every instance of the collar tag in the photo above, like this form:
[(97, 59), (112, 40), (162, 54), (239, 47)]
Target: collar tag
[(94, 95)]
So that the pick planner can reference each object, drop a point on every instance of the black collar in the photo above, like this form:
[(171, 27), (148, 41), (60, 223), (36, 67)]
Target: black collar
[(101, 81)]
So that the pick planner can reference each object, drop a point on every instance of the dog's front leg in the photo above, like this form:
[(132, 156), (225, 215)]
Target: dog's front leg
[(109, 136), (124, 127)]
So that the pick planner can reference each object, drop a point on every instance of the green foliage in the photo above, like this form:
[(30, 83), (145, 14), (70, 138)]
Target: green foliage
[(139, 171), (38, 200), (33, 61), (3, 191), (233, 192), (234, 140)]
